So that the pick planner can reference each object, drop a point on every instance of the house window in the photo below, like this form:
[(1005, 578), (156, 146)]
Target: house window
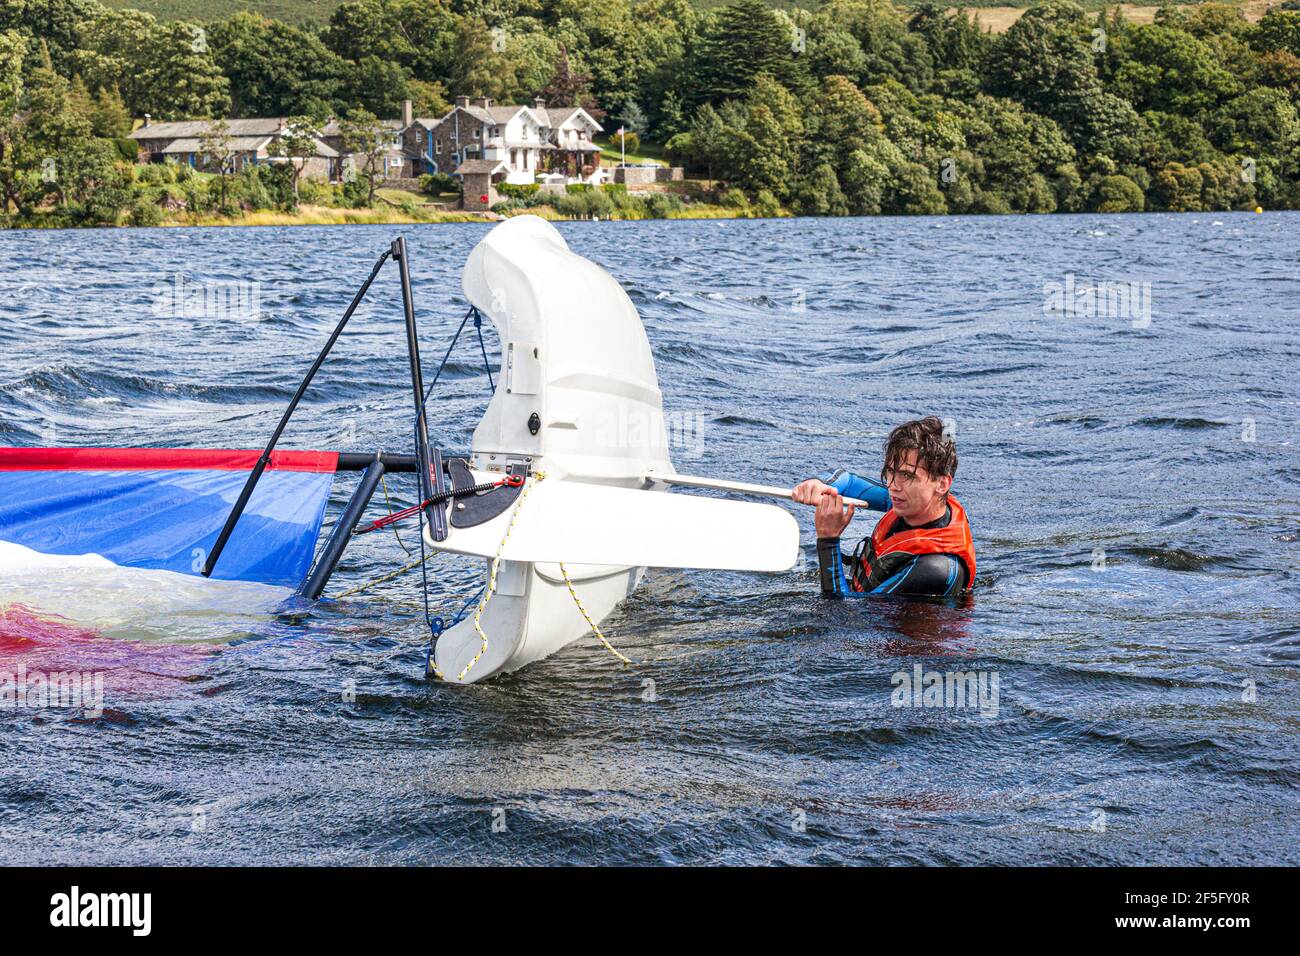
[(437, 146)]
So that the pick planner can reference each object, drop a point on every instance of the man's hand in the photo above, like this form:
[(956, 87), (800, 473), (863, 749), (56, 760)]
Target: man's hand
[(833, 516), (810, 492)]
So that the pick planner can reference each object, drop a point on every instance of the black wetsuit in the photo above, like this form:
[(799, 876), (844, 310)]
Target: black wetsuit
[(913, 575)]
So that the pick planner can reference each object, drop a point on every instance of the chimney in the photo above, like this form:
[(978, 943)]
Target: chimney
[(482, 101), (539, 102), (147, 117), (462, 101), (408, 114), (280, 122)]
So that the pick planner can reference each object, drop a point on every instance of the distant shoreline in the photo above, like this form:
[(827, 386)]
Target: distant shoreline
[(716, 213), (334, 216)]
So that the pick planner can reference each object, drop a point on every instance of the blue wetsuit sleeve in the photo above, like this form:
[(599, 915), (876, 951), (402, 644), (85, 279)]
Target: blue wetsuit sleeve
[(855, 486), (830, 561)]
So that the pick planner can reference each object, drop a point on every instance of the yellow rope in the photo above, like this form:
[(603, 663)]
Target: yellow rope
[(578, 601), (383, 480), (388, 577), (492, 578), (492, 587)]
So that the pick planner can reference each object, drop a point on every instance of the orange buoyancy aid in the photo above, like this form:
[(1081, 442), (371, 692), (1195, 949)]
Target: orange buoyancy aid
[(954, 539)]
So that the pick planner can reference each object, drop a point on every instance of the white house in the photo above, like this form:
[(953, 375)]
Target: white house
[(534, 143)]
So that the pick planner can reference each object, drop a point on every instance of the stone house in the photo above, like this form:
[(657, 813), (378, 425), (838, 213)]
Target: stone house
[(249, 138), (399, 161), (487, 144)]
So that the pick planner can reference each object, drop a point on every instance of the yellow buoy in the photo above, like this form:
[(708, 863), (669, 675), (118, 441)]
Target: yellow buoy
[(1259, 209)]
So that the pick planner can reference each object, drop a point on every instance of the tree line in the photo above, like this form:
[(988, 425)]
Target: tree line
[(851, 108)]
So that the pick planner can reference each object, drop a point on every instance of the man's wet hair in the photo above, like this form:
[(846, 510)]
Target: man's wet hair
[(936, 451)]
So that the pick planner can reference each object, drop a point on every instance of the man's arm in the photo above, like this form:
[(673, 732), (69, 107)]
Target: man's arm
[(830, 565), (916, 575), (827, 493), (849, 485), (830, 520), (855, 486)]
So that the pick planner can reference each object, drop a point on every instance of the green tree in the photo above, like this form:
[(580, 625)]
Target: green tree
[(423, 37), (819, 194), (93, 182), (379, 86), (669, 38), (117, 47), (477, 67), (741, 41), (57, 24), (840, 120), (915, 192), (759, 153), (834, 51), (868, 175), (276, 69), (217, 145), (953, 40), (710, 141), (109, 117), (892, 52), (1177, 188), (365, 138), (1044, 62), (55, 126), (1162, 68), (296, 144), (178, 77), (1277, 30), (14, 156), (1117, 194)]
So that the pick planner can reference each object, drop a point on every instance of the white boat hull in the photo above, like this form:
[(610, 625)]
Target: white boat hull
[(531, 616), (577, 398), (578, 401)]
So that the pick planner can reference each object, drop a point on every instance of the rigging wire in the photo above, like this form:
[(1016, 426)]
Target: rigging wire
[(436, 624)]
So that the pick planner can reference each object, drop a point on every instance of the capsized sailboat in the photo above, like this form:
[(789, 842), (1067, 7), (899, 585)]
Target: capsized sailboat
[(564, 493)]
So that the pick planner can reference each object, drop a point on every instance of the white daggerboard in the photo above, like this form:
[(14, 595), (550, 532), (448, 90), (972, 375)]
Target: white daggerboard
[(581, 523)]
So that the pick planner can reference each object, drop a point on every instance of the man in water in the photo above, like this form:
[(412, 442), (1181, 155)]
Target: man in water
[(922, 546)]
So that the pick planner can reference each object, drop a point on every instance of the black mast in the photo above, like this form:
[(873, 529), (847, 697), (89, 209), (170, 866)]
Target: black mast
[(429, 460), (265, 459)]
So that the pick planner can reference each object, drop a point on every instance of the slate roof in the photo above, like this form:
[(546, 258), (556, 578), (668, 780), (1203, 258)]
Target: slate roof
[(480, 166)]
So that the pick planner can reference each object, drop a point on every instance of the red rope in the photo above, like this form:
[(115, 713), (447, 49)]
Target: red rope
[(511, 481)]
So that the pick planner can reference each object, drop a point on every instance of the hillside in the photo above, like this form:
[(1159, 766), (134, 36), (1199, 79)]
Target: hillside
[(291, 11), (996, 15), (999, 18)]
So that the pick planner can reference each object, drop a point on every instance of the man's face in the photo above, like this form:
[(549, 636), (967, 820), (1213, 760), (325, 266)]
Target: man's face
[(913, 491)]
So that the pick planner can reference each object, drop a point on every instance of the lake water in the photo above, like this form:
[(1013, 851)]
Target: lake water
[(1131, 473)]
